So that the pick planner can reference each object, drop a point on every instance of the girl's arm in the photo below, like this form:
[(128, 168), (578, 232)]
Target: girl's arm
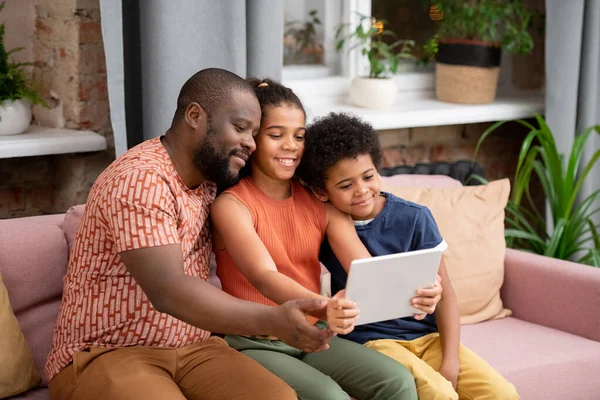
[(233, 224), (342, 237), (448, 321)]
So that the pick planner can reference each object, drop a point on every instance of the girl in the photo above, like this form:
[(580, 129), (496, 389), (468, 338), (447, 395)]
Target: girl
[(268, 231)]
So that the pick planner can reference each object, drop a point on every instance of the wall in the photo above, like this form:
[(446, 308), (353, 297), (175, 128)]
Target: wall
[(18, 17), (498, 153), (67, 49)]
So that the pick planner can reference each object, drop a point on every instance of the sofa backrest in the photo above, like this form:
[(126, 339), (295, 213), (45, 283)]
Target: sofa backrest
[(33, 262), (34, 254), (423, 181)]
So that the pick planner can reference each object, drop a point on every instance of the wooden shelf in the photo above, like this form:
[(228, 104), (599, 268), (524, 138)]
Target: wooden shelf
[(39, 141)]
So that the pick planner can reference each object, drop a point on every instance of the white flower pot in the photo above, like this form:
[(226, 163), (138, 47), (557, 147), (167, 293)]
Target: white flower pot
[(15, 116), (373, 92)]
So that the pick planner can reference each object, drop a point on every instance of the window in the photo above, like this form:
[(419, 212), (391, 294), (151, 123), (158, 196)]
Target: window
[(408, 19), (308, 38), (310, 57)]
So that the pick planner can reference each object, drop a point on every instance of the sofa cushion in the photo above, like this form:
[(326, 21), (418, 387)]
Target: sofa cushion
[(33, 262), (71, 223), (17, 372), (471, 221), (542, 363)]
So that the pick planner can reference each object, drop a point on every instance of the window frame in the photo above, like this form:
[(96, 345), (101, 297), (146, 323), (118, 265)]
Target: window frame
[(316, 81)]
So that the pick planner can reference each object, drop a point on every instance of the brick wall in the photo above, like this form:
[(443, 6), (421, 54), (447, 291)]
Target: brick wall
[(69, 57), (498, 154)]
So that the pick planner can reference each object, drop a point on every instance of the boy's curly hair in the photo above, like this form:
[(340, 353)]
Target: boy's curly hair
[(332, 138)]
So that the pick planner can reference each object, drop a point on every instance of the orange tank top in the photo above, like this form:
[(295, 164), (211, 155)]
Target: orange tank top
[(292, 231)]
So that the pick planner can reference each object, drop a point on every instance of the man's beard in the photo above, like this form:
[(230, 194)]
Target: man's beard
[(214, 164)]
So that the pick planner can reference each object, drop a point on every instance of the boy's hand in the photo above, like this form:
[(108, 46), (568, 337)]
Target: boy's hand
[(450, 371), (341, 314), (427, 299)]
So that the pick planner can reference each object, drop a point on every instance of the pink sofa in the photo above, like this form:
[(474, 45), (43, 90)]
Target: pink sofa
[(549, 348)]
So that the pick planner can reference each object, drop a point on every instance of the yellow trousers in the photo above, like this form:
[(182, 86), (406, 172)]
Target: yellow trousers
[(423, 357)]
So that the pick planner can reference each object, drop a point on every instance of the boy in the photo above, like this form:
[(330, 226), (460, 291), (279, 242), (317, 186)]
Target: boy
[(340, 165)]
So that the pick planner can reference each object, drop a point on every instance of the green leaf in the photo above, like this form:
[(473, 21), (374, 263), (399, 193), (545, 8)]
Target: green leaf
[(525, 148), (478, 178), (555, 238), (393, 64), (339, 29), (595, 236), (485, 134), (581, 179), (523, 235)]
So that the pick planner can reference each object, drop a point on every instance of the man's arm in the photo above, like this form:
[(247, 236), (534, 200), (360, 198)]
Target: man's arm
[(448, 321), (160, 273)]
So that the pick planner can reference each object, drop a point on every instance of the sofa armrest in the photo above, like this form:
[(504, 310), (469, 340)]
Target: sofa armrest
[(558, 294)]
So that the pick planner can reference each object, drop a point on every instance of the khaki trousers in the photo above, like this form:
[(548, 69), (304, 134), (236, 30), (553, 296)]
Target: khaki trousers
[(347, 368), (206, 370), (423, 357)]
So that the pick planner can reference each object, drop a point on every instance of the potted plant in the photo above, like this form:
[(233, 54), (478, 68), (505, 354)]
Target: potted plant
[(16, 92), (378, 89), (574, 235), (470, 40)]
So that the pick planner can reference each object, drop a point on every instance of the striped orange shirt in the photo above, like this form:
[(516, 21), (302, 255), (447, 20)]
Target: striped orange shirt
[(139, 201), (292, 231)]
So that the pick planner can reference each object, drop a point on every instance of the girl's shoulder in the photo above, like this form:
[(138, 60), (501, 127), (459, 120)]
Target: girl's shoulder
[(304, 193)]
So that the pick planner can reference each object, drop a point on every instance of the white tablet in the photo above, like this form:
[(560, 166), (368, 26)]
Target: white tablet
[(382, 286)]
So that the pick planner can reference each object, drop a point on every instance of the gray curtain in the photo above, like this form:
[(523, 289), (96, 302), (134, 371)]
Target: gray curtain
[(179, 38), (112, 36), (573, 76)]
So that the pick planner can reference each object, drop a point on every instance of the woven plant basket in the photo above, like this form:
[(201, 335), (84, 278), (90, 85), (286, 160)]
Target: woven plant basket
[(467, 72), (466, 84)]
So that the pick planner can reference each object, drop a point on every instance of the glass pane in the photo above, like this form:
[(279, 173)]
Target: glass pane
[(303, 42), (408, 19)]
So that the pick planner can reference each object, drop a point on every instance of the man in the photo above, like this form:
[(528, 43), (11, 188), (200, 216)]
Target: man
[(137, 309)]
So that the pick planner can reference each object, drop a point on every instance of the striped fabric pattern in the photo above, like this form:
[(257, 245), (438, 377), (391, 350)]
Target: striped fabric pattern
[(139, 201)]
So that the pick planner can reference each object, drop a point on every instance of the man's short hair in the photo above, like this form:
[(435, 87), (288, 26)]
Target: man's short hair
[(210, 88), (333, 138)]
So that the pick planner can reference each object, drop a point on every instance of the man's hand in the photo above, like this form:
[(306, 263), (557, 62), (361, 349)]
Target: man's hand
[(341, 314), (450, 371), (290, 325), (427, 299)]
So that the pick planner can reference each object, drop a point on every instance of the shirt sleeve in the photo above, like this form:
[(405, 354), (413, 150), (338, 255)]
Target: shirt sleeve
[(140, 211), (426, 234)]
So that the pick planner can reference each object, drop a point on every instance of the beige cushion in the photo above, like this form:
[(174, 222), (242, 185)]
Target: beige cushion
[(17, 373), (471, 221)]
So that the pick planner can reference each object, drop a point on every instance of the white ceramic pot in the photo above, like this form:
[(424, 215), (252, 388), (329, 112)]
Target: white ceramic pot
[(373, 92), (15, 116)]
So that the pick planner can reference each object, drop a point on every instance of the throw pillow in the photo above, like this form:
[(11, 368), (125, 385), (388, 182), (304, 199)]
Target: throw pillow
[(471, 221), (17, 372)]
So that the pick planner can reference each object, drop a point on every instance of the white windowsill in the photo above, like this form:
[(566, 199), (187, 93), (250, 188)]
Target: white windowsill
[(424, 110), (39, 141), (416, 105), (299, 72)]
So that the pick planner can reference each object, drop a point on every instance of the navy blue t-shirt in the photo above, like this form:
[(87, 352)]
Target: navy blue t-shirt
[(401, 226)]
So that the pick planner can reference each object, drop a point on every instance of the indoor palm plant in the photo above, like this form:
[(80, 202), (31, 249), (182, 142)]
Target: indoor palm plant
[(377, 89), (470, 37), (16, 92), (570, 233)]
